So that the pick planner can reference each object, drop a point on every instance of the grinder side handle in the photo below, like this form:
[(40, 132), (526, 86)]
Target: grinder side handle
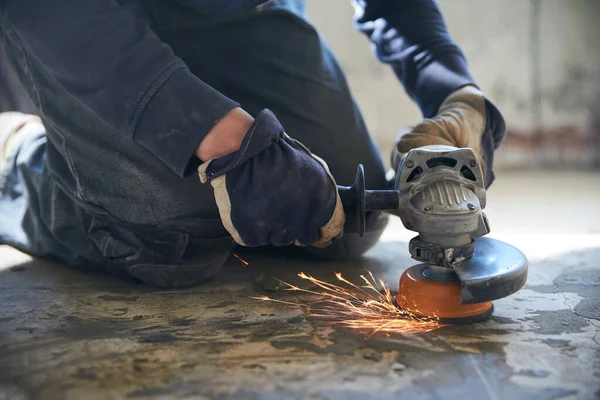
[(353, 200), (357, 201)]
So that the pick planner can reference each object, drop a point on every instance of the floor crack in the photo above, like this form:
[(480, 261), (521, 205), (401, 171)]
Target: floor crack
[(484, 380), (566, 305), (569, 307)]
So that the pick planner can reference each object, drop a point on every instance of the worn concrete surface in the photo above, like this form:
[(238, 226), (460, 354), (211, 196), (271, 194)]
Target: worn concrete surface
[(74, 335)]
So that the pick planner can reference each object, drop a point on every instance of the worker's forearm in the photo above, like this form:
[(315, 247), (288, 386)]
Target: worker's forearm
[(412, 37), (226, 136), (108, 59)]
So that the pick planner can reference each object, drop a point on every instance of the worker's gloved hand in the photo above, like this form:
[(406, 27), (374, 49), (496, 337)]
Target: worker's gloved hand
[(273, 191), (465, 119)]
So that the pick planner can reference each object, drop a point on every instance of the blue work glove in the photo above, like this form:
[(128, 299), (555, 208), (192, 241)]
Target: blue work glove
[(273, 191)]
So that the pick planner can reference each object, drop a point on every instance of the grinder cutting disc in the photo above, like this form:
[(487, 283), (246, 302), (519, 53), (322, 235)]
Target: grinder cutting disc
[(440, 299), (463, 293)]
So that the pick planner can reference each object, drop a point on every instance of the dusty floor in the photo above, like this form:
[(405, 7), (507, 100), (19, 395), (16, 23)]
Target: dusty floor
[(69, 334)]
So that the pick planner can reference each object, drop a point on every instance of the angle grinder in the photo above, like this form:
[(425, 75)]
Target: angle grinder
[(440, 194)]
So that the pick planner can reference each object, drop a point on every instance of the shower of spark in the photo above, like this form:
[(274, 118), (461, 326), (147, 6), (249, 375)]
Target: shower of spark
[(240, 259), (369, 307)]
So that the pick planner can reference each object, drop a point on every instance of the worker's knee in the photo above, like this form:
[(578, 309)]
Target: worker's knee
[(178, 276), (178, 253), (351, 245)]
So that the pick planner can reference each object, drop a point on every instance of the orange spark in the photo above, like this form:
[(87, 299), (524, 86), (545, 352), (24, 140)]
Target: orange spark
[(240, 259), (369, 307)]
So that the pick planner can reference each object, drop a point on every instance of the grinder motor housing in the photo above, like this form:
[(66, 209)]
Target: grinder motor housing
[(442, 195)]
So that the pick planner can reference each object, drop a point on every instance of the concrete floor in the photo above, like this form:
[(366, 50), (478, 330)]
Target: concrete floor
[(69, 334)]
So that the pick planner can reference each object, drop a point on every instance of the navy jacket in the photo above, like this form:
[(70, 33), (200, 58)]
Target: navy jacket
[(106, 55)]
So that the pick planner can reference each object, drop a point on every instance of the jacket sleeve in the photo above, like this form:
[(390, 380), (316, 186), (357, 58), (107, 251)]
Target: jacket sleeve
[(110, 61), (412, 37)]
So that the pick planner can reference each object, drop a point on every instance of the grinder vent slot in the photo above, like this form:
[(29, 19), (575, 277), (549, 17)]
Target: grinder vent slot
[(438, 161), (467, 173), (414, 174)]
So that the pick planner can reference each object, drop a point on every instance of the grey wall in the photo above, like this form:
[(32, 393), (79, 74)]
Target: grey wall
[(539, 60)]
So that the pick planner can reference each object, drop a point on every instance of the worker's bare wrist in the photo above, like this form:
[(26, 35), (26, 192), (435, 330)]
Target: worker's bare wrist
[(226, 136)]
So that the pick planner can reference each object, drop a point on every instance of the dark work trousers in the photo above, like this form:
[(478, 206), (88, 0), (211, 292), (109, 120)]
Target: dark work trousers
[(82, 193)]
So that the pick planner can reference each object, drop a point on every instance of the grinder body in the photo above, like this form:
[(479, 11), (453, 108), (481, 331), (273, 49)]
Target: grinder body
[(440, 194)]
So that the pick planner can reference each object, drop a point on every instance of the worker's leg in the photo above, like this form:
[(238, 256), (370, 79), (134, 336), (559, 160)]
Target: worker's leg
[(12, 95), (40, 217), (76, 190), (275, 59)]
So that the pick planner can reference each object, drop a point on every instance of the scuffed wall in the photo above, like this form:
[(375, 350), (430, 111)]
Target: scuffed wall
[(538, 60)]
